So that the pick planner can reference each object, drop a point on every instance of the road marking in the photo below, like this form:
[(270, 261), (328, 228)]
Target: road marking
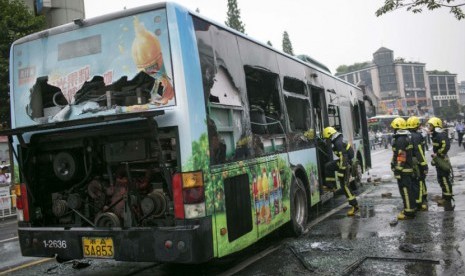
[(10, 239), (6, 272)]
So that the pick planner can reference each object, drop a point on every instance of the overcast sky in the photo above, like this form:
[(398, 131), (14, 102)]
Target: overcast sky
[(337, 32)]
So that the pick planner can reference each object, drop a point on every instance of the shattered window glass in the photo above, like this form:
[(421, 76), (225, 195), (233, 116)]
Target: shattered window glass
[(115, 67), (222, 79)]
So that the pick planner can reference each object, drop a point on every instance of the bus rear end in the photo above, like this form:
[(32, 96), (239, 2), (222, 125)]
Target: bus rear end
[(97, 146)]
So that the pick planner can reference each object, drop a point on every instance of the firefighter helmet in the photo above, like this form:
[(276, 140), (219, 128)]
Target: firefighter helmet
[(413, 122), (435, 122), (328, 132), (399, 123)]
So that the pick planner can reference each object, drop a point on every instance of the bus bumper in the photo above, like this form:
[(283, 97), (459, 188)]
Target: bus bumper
[(192, 243)]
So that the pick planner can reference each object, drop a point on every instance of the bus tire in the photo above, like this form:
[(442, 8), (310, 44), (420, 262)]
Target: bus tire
[(299, 210), (357, 174)]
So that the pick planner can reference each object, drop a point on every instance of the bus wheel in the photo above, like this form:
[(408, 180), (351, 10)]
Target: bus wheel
[(357, 182), (299, 210)]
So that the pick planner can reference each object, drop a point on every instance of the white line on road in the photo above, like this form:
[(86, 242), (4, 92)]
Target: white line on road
[(7, 272), (10, 239)]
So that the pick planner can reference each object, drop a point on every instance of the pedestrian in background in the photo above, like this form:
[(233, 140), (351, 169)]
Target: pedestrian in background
[(341, 166), (441, 146), (3, 175), (402, 166), (419, 163), (459, 128), (372, 137)]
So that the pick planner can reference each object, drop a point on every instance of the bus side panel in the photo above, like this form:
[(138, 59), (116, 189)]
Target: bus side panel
[(307, 158), (251, 200)]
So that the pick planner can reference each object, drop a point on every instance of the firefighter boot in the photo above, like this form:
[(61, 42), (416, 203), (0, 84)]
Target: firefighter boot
[(352, 211), (448, 206), (402, 216)]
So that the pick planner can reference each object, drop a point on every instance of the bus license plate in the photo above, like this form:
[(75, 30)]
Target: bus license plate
[(98, 247)]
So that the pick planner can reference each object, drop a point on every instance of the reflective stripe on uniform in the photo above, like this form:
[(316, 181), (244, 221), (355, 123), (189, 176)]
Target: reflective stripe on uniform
[(446, 186), (420, 149), (350, 195), (407, 201), (443, 146)]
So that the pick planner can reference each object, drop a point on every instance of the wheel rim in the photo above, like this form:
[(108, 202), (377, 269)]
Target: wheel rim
[(299, 207), (358, 175)]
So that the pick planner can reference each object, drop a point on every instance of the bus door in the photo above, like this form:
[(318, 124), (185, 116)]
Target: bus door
[(320, 120)]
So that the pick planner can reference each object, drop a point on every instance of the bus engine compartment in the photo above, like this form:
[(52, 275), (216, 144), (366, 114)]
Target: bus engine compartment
[(115, 175)]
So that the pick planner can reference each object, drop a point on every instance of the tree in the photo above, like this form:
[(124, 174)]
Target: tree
[(16, 21), (417, 6), (234, 17), (342, 69), (448, 113), (287, 45), (269, 43)]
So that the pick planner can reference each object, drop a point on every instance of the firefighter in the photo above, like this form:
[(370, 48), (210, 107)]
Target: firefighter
[(420, 163), (402, 166), (441, 146), (340, 166)]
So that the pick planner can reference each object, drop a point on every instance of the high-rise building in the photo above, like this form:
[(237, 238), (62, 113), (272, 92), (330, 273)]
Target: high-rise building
[(57, 12), (461, 87), (444, 90), (402, 87)]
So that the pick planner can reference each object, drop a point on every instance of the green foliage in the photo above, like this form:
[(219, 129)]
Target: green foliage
[(437, 72), (16, 21), (200, 160), (417, 6), (287, 45), (342, 69), (448, 113), (234, 17), (269, 43)]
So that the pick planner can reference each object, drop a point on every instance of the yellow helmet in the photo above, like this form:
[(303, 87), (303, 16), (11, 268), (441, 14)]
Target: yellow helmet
[(435, 122), (328, 132), (413, 122), (399, 123)]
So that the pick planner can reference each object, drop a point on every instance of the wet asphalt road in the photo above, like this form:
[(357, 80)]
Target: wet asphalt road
[(367, 244)]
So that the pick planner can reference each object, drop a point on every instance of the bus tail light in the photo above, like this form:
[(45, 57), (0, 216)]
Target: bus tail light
[(188, 195), (22, 206)]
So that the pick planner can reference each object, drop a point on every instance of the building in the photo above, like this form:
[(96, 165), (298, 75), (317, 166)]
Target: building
[(57, 12), (444, 93), (402, 87), (461, 87)]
